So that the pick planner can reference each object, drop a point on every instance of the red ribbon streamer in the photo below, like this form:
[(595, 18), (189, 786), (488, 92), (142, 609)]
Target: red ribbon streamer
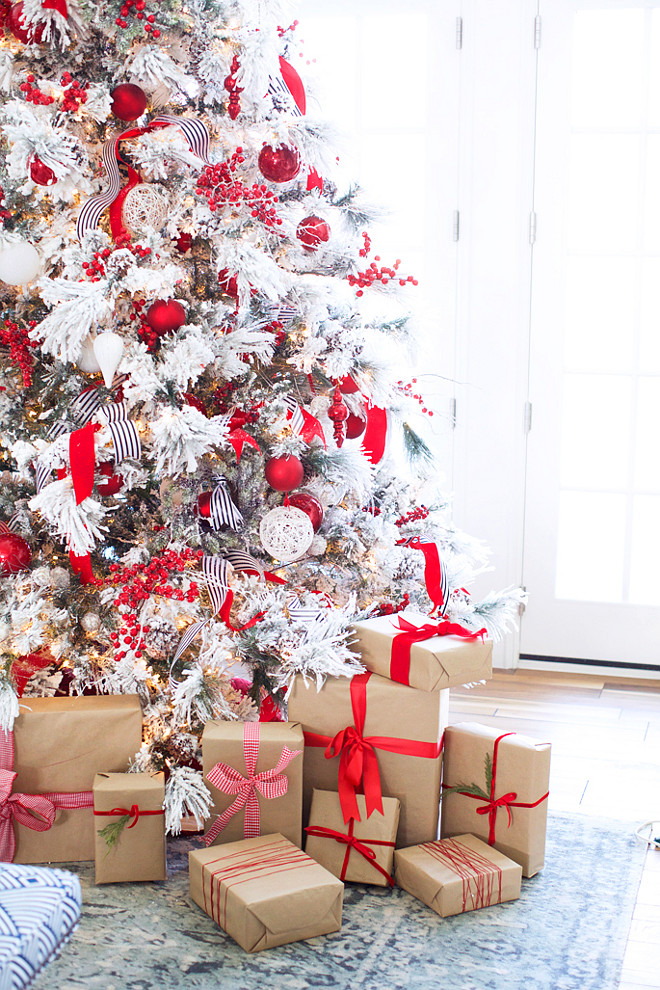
[(314, 180), (375, 435), (507, 801), (82, 566), (311, 428), (117, 227), (352, 842), (409, 634), (58, 5), (238, 438), (81, 455), (432, 571), (133, 812), (358, 763)]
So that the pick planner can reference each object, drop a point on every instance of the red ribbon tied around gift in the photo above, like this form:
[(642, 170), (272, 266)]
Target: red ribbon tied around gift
[(507, 801), (358, 763), (410, 633), (133, 812), (269, 783), (351, 842)]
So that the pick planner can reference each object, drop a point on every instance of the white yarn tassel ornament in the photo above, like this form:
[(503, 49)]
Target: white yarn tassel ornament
[(108, 350)]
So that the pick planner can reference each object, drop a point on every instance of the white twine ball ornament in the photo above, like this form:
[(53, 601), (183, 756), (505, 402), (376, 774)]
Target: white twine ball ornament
[(286, 533), (145, 208)]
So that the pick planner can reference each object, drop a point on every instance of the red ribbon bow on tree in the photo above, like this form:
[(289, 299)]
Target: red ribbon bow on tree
[(269, 783), (351, 842)]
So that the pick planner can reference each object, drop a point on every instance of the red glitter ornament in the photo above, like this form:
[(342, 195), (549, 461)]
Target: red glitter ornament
[(204, 505), (338, 413), (128, 101), (311, 231), (16, 24), (165, 316), (15, 554), (114, 482), (41, 174), (310, 505), (284, 473), (279, 164), (355, 426)]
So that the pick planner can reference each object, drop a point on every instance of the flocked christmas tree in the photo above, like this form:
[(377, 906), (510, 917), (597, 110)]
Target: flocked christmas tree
[(184, 341)]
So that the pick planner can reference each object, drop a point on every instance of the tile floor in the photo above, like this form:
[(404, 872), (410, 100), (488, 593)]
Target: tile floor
[(605, 734)]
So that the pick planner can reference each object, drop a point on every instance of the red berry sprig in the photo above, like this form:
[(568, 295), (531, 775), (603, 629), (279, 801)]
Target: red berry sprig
[(16, 338), (95, 269), (374, 273), (421, 512), (392, 607), (139, 6), (406, 389), (75, 93), (219, 185), (33, 94)]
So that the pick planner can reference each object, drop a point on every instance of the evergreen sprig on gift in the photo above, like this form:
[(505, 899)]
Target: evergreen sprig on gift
[(111, 833), (474, 789)]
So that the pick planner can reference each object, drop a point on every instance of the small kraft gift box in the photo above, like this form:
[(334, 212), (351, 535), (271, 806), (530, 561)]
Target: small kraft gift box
[(130, 827), (369, 734), (265, 892), (456, 875), (424, 653), (254, 771), (495, 785), (360, 851), (56, 748)]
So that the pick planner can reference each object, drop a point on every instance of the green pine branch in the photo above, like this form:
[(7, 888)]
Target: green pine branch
[(112, 831)]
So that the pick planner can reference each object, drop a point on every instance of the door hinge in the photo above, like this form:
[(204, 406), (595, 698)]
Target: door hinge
[(532, 227), (459, 33), (452, 413), (537, 32), (456, 226), (527, 416), (522, 605)]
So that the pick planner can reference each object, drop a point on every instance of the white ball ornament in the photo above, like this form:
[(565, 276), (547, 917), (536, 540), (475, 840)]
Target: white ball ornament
[(91, 622), (87, 360), (286, 533), (19, 263), (108, 350), (144, 209)]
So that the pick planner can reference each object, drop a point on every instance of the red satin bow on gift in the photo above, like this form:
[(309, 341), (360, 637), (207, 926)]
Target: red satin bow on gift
[(32, 810), (133, 812), (409, 634), (352, 842), (270, 783)]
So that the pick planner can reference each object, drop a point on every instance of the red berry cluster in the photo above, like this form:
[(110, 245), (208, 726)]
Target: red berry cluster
[(33, 94), (364, 251), (408, 392), (95, 269), (234, 104), (375, 274), (138, 583), (391, 608), (243, 417), (74, 93), (282, 30), (421, 512), (278, 329), (373, 509), (219, 185), (20, 346), (140, 14)]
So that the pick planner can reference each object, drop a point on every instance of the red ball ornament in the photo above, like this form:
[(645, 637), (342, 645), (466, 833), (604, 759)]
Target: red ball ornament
[(279, 164), (347, 385), (128, 101), (309, 505), (41, 174), (184, 242), (284, 473), (165, 316), (311, 231), (355, 426), (114, 482), (15, 554), (16, 25), (204, 505)]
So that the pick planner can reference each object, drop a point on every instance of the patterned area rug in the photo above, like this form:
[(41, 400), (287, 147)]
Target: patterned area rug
[(567, 932)]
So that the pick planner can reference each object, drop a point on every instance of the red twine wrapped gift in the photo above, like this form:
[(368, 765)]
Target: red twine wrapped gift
[(361, 846), (410, 634), (270, 784), (493, 804), (358, 763), (477, 873), (35, 811)]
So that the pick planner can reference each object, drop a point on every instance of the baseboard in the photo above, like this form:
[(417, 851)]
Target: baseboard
[(610, 668)]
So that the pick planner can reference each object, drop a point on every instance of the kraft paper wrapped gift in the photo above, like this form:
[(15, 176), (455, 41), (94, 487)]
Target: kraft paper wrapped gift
[(503, 789), (388, 647), (134, 801), (392, 732), (360, 851), (457, 875), (254, 771), (265, 892), (59, 745)]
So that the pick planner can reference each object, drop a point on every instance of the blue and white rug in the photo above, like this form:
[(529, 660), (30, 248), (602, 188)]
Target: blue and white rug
[(567, 932)]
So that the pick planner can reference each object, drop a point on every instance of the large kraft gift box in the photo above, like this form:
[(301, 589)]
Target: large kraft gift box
[(502, 789), (361, 851), (418, 658), (457, 875), (59, 745), (265, 892), (254, 771), (134, 801), (391, 731)]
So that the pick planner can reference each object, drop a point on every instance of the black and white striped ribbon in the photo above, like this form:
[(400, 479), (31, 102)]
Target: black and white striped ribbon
[(43, 471), (222, 510), (240, 560), (297, 418), (85, 405), (308, 616), (283, 314), (195, 133), (277, 88), (215, 572), (125, 437)]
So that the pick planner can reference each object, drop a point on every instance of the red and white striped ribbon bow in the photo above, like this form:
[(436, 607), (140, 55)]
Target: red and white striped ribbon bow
[(270, 784)]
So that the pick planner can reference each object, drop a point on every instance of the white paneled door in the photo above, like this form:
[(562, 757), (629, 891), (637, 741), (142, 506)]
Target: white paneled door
[(592, 518)]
